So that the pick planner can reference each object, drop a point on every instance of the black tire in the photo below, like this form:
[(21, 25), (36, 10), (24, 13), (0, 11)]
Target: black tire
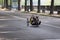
[(39, 23)]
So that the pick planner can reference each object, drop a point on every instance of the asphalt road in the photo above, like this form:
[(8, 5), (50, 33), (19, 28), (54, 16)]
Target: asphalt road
[(13, 26)]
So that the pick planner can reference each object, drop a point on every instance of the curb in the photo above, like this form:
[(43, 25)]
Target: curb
[(43, 14)]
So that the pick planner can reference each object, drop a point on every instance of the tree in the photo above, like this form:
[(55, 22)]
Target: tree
[(43, 9), (52, 7), (19, 4), (59, 12), (2, 3), (31, 5), (6, 3), (25, 5), (38, 6), (10, 4), (58, 9)]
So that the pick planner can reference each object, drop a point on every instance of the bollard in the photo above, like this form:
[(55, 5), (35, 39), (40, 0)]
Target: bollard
[(27, 22)]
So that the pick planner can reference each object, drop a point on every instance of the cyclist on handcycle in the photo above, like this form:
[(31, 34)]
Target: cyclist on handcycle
[(34, 20)]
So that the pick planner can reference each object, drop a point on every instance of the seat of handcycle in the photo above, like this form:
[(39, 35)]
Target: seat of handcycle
[(36, 23)]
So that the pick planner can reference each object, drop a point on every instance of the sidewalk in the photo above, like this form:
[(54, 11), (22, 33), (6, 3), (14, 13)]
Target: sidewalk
[(4, 9), (32, 12), (44, 14)]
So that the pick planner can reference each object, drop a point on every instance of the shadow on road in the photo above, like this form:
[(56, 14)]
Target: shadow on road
[(34, 26)]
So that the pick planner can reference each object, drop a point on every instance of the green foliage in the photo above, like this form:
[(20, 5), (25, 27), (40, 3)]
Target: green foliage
[(1, 1)]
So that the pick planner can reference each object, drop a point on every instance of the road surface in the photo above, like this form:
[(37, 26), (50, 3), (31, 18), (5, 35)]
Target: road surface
[(13, 26)]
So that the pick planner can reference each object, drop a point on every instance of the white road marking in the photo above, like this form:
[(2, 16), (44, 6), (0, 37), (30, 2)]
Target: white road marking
[(20, 18), (52, 39), (7, 19), (8, 32), (50, 25), (3, 25)]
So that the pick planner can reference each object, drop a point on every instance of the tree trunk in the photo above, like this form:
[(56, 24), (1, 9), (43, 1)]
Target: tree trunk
[(31, 5), (43, 9), (58, 12), (52, 7), (10, 4), (6, 3), (38, 6), (25, 5), (2, 4), (18, 4), (58, 9)]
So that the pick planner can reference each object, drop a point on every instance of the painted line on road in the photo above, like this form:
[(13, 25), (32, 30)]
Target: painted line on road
[(50, 25), (9, 32), (6, 19), (20, 18), (42, 23), (3, 25)]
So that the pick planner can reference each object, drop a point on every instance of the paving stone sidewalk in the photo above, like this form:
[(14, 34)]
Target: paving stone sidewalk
[(33, 12), (44, 14)]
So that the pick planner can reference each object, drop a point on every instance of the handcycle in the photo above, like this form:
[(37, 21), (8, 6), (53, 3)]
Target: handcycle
[(33, 22)]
